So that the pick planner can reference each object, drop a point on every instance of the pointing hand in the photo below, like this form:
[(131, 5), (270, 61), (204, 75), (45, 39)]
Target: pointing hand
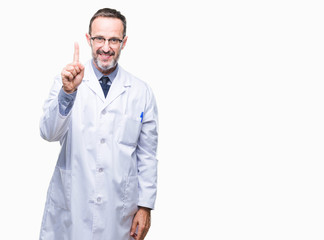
[(73, 73)]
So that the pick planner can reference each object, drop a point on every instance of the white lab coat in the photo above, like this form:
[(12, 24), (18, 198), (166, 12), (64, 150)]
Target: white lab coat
[(107, 166)]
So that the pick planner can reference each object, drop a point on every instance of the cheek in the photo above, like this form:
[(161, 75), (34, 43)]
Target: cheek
[(94, 50), (115, 51)]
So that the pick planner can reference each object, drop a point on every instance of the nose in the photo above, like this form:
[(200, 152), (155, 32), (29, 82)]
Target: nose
[(106, 46)]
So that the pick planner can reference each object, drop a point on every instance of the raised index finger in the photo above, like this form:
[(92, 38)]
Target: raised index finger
[(76, 53)]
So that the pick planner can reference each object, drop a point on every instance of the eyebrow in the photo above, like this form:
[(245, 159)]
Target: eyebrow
[(100, 36), (113, 37)]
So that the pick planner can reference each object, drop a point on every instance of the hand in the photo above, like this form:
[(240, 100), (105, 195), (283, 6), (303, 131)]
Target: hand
[(142, 220), (73, 73)]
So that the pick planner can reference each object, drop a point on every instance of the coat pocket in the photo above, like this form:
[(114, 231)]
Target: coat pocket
[(61, 188), (129, 131), (130, 199)]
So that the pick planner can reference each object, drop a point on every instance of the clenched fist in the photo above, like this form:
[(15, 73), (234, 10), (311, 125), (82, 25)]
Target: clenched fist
[(73, 73)]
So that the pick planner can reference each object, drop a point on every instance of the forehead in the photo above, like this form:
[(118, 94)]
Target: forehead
[(105, 26)]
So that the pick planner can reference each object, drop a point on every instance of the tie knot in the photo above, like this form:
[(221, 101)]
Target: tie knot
[(104, 79)]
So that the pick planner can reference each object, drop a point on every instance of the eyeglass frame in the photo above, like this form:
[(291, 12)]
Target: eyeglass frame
[(107, 39)]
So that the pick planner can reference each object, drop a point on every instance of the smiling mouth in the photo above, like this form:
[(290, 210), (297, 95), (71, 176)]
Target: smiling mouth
[(106, 56)]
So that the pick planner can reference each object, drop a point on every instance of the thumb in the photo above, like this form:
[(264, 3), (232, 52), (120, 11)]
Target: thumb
[(133, 228)]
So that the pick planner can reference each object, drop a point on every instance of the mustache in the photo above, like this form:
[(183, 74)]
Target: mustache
[(110, 53)]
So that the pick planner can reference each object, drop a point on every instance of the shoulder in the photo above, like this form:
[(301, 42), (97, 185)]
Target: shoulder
[(139, 88), (133, 80)]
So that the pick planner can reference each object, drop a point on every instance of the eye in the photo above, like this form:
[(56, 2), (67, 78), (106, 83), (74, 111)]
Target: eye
[(113, 40), (100, 39)]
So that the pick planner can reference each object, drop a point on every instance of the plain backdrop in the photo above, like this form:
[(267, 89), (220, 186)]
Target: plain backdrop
[(239, 86)]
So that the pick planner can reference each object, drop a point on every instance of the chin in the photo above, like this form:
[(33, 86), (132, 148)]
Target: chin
[(106, 67)]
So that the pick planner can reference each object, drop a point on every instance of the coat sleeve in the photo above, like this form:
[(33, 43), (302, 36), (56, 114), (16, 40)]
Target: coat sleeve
[(146, 154), (56, 115)]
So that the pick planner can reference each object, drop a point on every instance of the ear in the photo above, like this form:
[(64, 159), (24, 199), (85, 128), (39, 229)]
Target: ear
[(88, 39), (124, 42)]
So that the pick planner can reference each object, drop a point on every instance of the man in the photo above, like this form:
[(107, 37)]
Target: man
[(104, 182)]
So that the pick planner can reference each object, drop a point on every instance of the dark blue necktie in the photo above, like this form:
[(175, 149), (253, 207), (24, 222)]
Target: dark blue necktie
[(104, 85)]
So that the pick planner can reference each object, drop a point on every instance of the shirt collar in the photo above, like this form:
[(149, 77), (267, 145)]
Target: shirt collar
[(99, 74)]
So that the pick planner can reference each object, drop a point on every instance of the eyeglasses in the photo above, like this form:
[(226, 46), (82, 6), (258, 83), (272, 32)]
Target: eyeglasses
[(111, 41)]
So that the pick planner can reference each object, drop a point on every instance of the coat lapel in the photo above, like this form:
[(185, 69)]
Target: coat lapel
[(92, 82), (118, 87)]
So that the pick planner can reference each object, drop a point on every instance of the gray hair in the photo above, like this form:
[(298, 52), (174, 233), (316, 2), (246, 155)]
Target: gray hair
[(110, 13)]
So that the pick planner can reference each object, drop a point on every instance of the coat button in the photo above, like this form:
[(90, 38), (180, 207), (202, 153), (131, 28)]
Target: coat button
[(98, 199), (102, 140), (100, 169)]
